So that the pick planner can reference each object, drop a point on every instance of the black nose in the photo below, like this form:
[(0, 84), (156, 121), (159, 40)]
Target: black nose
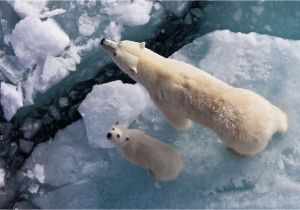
[(109, 135), (102, 40)]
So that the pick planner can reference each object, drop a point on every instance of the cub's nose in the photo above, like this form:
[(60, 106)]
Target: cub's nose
[(109, 135)]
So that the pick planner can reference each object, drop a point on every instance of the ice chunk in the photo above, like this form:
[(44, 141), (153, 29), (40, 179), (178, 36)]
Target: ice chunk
[(26, 146), (30, 127), (66, 159), (108, 103), (87, 24), (39, 173), (176, 7), (52, 13), (113, 31), (63, 102), (127, 12), (11, 69), (11, 99), (33, 46), (54, 70), (28, 8), (33, 188), (2, 177)]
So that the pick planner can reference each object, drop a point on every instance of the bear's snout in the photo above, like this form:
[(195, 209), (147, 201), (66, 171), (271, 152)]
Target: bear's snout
[(109, 135), (102, 40)]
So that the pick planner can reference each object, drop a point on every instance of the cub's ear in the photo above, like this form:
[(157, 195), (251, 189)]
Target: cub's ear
[(116, 123), (142, 45), (127, 139)]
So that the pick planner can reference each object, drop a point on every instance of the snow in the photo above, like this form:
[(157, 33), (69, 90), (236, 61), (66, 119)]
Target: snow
[(2, 177), (11, 99), (109, 103), (33, 46)]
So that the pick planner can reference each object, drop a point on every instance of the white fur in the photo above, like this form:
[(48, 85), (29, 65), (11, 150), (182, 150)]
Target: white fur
[(244, 120), (161, 160)]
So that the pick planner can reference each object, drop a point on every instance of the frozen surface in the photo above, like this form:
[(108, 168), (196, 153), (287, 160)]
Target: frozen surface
[(82, 177), (28, 8), (127, 12), (2, 177), (44, 38), (48, 39), (11, 99), (109, 103)]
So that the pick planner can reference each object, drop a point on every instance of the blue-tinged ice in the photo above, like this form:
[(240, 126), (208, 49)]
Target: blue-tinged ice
[(51, 38), (79, 176), (110, 103)]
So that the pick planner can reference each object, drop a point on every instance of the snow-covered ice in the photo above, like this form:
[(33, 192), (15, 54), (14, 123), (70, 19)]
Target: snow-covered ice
[(127, 12), (109, 103), (28, 8), (2, 177), (11, 99), (44, 38), (39, 173)]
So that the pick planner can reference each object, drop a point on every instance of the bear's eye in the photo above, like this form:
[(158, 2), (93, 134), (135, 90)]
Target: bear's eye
[(127, 139), (115, 54), (118, 136), (113, 129)]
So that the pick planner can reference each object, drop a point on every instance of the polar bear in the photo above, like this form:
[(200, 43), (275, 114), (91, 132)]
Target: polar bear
[(161, 160), (244, 120)]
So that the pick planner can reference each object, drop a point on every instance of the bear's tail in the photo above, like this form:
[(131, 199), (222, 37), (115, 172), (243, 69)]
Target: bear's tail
[(282, 122)]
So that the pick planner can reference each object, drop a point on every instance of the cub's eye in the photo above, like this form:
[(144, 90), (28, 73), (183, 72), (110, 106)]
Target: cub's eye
[(127, 139), (113, 129), (115, 54), (118, 136)]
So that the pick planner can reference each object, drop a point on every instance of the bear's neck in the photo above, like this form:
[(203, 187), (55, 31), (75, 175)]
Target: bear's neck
[(149, 72)]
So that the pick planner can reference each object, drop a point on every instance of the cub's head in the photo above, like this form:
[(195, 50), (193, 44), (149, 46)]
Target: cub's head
[(124, 53), (117, 135)]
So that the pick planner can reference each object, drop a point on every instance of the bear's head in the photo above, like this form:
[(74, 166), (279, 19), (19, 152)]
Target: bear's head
[(125, 54), (117, 135)]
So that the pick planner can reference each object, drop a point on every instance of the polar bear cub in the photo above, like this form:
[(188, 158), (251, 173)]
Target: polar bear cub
[(161, 160), (244, 120)]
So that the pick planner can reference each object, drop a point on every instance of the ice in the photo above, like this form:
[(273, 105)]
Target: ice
[(109, 103), (26, 146), (39, 172), (11, 99), (87, 24), (130, 13), (85, 177), (11, 68), (28, 8), (2, 177), (113, 31), (66, 159), (52, 13), (33, 46)]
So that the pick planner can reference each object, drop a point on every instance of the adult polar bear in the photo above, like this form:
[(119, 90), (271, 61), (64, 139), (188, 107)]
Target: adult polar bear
[(244, 120)]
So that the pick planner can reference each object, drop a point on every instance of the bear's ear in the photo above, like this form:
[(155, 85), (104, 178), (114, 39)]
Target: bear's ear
[(142, 45), (127, 139), (116, 123), (133, 69)]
